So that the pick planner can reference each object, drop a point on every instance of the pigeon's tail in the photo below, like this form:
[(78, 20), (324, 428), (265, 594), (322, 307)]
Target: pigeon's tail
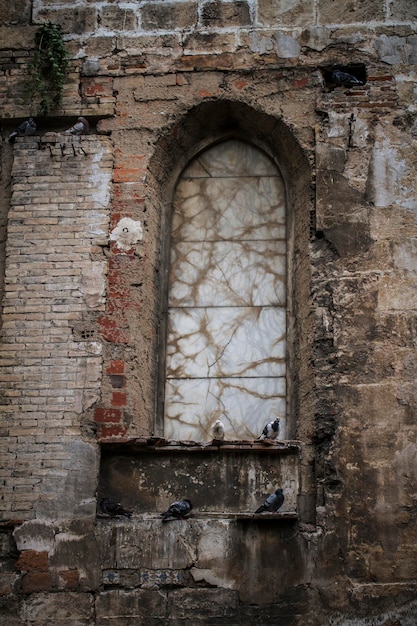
[(165, 516), (261, 509), (127, 514), (12, 137)]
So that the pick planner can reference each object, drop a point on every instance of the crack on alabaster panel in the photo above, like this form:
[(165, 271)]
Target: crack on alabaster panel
[(232, 341), (215, 209), (243, 405), (231, 158), (248, 273)]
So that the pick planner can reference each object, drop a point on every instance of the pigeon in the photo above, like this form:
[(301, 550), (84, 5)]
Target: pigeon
[(217, 430), (343, 78), (113, 508), (24, 129), (272, 503), (177, 510), (81, 127), (271, 430)]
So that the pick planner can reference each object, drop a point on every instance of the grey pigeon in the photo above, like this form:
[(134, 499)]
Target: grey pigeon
[(343, 78), (177, 510), (272, 503), (26, 128), (81, 127), (271, 430), (217, 430), (113, 508)]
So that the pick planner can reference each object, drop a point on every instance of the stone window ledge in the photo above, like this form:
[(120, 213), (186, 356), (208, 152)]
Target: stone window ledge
[(159, 444), (206, 516)]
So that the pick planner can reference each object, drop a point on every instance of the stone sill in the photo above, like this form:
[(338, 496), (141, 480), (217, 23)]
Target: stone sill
[(208, 515), (158, 444)]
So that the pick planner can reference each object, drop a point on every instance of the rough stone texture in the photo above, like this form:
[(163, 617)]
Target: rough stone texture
[(83, 321)]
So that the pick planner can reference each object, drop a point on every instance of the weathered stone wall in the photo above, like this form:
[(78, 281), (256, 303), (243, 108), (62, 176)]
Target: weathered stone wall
[(80, 345)]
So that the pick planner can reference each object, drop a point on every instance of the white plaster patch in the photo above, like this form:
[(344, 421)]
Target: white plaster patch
[(101, 180), (386, 172), (127, 233), (93, 285)]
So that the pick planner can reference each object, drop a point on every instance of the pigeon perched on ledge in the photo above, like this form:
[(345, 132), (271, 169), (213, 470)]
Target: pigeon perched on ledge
[(26, 128), (272, 503), (177, 510), (113, 508), (217, 430), (81, 127), (271, 430), (345, 79)]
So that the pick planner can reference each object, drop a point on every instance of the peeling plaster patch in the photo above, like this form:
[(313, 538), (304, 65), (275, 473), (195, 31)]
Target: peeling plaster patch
[(386, 171), (287, 47), (101, 180), (35, 535), (93, 284), (127, 233), (338, 125), (393, 50), (213, 577), (260, 43)]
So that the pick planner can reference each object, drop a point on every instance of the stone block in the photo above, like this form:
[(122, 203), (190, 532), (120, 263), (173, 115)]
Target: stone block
[(331, 12), (35, 582), (138, 603), (169, 16), (342, 213), (402, 10), (76, 20), (65, 609), (283, 13), (15, 13), (203, 603), (117, 19), (225, 14)]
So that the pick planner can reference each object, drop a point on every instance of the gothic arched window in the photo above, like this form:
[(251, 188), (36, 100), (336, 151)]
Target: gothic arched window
[(226, 317)]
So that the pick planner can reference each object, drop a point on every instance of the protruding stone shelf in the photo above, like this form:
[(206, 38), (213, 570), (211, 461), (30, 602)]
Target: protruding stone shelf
[(159, 444), (206, 515), (222, 479)]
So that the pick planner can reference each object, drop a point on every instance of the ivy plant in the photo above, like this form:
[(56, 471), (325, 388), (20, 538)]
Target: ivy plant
[(48, 67)]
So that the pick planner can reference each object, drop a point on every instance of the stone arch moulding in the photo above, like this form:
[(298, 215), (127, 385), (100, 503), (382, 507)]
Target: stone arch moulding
[(207, 125), (221, 468)]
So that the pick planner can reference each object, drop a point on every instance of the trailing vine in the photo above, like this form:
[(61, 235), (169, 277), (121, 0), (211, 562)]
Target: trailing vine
[(49, 66)]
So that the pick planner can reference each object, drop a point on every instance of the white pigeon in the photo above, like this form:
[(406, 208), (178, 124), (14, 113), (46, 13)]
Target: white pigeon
[(81, 127), (217, 430), (271, 430), (26, 128)]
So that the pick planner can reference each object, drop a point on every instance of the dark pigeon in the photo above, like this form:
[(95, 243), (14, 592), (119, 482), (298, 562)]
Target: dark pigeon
[(24, 129), (81, 127), (177, 510), (344, 79), (271, 430), (272, 503), (113, 508)]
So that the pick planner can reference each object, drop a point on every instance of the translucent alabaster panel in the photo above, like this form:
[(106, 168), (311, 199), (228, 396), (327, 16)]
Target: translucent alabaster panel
[(244, 405), (241, 208), (247, 273), (226, 341), (231, 158)]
